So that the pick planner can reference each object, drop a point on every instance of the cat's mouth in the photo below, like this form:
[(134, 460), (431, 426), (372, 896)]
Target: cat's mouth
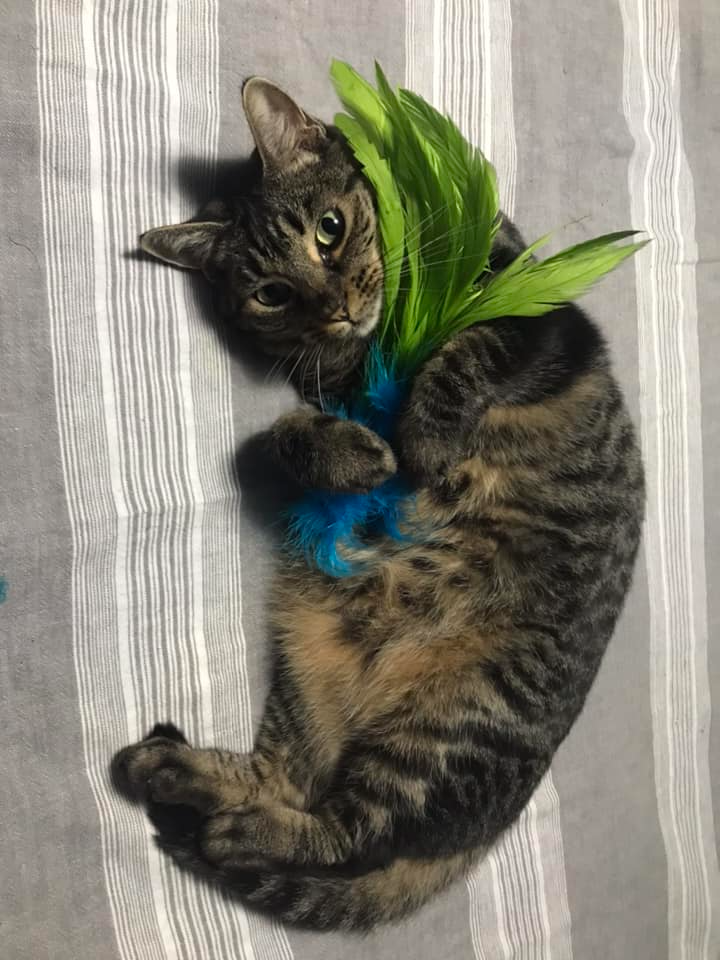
[(350, 327), (341, 327)]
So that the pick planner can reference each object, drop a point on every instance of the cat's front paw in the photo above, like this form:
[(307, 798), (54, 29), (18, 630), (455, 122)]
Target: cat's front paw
[(323, 452), (164, 769), (147, 770)]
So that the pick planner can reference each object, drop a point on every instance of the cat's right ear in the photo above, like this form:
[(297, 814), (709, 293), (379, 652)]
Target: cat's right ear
[(187, 245)]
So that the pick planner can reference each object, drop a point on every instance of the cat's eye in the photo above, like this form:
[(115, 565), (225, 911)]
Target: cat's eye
[(274, 294), (330, 229)]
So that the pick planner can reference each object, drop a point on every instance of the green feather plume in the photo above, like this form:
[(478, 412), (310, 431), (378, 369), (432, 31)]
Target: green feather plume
[(438, 211)]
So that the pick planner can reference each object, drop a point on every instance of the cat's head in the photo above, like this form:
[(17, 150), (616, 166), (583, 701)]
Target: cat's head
[(296, 259)]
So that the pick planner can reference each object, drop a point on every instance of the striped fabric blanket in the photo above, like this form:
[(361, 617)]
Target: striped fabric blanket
[(133, 566)]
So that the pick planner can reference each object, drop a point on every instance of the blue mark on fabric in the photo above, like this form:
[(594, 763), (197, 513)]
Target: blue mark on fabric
[(3, 589)]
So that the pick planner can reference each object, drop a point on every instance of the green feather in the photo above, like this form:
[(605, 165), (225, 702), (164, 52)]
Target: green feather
[(438, 212), (534, 287), (361, 100)]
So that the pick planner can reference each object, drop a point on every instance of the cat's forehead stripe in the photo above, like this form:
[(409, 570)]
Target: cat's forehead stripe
[(352, 179), (254, 264), (292, 220)]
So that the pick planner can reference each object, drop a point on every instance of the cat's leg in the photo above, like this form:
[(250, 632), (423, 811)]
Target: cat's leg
[(246, 807), (165, 768), (320, 451), (448, 397), (285, 767), (249, 811), (513, 361), (280, 834)]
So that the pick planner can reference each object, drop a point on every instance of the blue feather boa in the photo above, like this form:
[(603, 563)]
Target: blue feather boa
[(324, 526)]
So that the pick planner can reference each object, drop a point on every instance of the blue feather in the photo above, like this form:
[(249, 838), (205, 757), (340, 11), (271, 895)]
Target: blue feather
[(324, 525)]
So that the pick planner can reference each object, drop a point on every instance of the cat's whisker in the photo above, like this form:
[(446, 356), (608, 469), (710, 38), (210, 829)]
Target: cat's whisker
[(393, 258), (295, 366), (277, 367), (307, 365), (317, 376), (394, 255), (421, 224), (458, 228)]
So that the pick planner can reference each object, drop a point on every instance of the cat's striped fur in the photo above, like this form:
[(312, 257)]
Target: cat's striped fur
[(414, 707)]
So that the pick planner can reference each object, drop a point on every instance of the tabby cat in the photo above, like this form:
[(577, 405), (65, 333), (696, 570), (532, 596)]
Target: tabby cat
[(414, 706)]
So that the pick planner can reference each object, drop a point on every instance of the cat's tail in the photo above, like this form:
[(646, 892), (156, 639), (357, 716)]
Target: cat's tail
[(333, 901)]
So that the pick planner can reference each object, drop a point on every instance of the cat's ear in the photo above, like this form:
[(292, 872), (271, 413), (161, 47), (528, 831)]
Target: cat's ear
[(183, 244), (285, 136)]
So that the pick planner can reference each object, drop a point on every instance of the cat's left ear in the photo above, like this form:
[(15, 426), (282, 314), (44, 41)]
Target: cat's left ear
[(189, 245), (285, 136)]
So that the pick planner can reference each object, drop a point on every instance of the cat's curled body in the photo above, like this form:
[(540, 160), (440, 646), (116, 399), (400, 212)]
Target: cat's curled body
[(414, 706)]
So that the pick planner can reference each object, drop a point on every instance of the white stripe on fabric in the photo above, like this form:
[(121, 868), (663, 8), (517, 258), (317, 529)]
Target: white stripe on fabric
[(518, 895), (662, 202), (143, 401), (68, 241)]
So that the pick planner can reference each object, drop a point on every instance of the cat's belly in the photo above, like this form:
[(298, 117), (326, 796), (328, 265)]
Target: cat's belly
[(359, 650)]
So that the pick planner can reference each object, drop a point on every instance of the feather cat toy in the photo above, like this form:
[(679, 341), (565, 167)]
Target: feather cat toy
[(438, 212)]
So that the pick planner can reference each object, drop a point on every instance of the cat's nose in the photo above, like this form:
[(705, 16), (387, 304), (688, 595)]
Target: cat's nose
[(341, 314)]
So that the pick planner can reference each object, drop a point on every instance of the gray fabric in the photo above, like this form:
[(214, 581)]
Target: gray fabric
[(133, 568)]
